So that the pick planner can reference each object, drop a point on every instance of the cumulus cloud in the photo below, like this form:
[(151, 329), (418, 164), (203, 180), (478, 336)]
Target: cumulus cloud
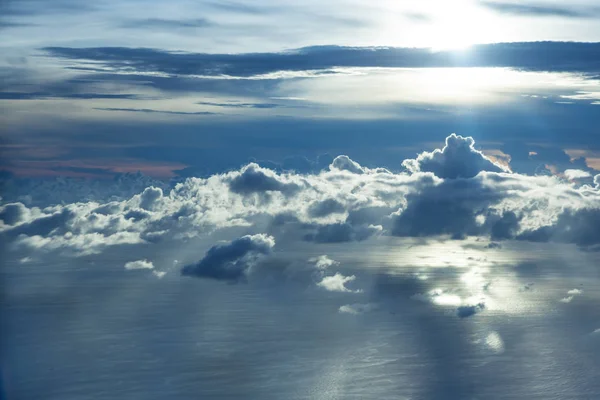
[(139, 264), (344, 163), (232, 261), (573, 174), (150, 198), (457, 159), (454, 192), (571, 295), (337, 283)]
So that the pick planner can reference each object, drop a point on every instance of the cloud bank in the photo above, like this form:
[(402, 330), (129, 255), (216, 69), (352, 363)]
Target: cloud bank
[(453, 192)]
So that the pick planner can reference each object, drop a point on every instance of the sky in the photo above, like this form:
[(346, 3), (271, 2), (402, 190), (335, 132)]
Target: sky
[(277, 199)]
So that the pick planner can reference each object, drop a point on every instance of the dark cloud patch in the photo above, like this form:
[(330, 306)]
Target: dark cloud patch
[(325, 208), (581, 227), (536, 56), (13, 213), (23, 8), (161, 23), (450, 208), (505, 228), (241, 105), (540, 10), (55, 223), (77, 96), (11, 24), (231, 262), (469, 310), (152, 111)]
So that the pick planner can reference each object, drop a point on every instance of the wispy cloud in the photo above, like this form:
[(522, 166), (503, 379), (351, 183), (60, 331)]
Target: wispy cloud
[(541, 10), (161, 23), (149, 111), (240, 105), (535, 56)]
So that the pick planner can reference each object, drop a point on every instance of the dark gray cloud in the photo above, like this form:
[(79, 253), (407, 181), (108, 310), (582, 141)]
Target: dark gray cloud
[(581, 227), (450, 208), (13, 213), (231, 262), (541, 10), (161, 23), (45, 7), (77, 96), (325, 208), (469, 310), (536, 56), (241, 105), (150, 111)]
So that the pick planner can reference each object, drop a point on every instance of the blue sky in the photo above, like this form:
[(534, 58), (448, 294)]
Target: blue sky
[(106, 86)]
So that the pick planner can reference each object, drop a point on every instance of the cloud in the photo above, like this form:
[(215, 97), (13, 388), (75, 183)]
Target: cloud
[(13, 213), (343, 203), (344, 163), (242, 105), (152, 111), (357, 308), (457, 159), (254, 179), (573, 174), (571, 295), (168, 24), (139, 264), (233, 261), (337, 283), (342, 232), (540, 10), (76, 96), (469, 310), (557, 56), (150, 197), (323, 262)]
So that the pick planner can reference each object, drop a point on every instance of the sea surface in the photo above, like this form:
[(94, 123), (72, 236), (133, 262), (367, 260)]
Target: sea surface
[(88, 329)]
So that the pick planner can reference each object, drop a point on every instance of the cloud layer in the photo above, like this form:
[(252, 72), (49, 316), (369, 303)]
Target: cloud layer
[(455, 192)]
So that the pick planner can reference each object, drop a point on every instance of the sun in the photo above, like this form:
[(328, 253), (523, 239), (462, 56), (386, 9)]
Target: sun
[(451, 25)]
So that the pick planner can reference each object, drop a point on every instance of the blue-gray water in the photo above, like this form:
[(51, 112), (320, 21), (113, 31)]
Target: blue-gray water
[(79, 330)]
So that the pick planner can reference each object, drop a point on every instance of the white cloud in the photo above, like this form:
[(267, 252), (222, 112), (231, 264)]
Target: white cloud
[(455, 191), (458, 159), (357, 308), (337, 283), (323, 262), (571, 295), (572, 174), (139, 264)]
